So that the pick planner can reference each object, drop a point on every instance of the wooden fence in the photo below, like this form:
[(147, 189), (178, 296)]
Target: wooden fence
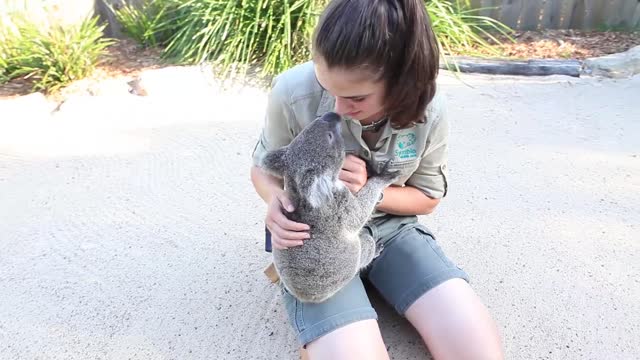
[(563, 14)]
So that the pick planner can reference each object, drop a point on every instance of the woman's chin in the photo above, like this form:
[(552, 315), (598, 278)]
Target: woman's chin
[(355, 115)]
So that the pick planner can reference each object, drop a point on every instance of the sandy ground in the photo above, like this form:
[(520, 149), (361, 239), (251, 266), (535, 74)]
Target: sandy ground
[(130, 229)]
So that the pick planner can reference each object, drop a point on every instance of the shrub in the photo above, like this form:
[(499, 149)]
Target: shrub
[(51, 56), (149, 23), (228, 32), (275, 34), (460, 30)]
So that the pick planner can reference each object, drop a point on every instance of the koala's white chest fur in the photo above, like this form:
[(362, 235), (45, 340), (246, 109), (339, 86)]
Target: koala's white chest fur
[(322, 188)]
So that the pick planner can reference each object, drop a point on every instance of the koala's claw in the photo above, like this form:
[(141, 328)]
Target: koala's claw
[(387, 174), (385, 166), (379, 248)]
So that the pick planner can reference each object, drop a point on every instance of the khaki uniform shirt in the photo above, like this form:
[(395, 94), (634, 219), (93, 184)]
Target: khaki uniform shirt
[(419, 152)]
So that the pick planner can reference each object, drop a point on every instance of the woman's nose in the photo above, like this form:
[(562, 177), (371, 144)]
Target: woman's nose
[(342, 106)]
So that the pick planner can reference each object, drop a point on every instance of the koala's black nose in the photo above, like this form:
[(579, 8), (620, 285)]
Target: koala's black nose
[(331, 117)]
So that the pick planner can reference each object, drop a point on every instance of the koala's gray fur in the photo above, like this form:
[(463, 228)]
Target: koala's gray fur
[(337, 249)]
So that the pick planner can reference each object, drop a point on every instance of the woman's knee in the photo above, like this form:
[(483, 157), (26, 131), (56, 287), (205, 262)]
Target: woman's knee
[(455, 324), (358, 340)]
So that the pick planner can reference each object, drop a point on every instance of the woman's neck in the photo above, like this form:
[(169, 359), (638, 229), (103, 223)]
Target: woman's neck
[(373, 118)]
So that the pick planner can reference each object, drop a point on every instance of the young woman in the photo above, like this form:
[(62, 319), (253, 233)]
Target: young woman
[(375, 62)]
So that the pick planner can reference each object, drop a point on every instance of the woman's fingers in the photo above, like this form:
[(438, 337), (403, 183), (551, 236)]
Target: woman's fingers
[(290, 235), (285, 202), (288, 225), (350, 184), (282, 239), (354, 164), (285, 233), (287, 229), (347, 176), (276, 215), (285, 244), (353, 173)]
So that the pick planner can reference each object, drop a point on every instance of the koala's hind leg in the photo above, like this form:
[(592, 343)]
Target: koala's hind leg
[(367, 249)]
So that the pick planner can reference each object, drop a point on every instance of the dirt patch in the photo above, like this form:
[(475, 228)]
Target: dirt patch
[(563, 44)]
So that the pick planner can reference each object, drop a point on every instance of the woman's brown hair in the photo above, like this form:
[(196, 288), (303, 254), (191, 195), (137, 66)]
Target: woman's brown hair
[(392, 39)]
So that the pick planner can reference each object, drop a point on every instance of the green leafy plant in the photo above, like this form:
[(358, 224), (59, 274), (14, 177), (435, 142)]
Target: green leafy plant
[(149, 23), (460, 30), (7, 38), (276, 34), (273, 33), (4, 76), (52, 56)]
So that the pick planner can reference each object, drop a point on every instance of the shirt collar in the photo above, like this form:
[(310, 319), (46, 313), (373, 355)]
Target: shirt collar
[(326, 104)]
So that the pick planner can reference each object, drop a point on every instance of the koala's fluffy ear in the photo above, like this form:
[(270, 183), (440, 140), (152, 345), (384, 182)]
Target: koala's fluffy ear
[(274, 161)]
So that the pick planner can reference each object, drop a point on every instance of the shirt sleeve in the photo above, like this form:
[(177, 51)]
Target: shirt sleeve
[(431, 175), (276, 131)]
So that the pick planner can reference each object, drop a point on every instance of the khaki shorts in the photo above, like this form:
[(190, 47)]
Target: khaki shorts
[(411, 263)]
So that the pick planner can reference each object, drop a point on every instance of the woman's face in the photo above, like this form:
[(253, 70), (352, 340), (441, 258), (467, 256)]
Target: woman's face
[(358, 95)]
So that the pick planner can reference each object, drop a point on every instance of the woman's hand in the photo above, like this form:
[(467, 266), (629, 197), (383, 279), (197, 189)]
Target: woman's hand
[(353, 173), (284, 232)]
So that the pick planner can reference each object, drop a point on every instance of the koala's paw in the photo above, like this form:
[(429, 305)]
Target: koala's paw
[(387, 175)]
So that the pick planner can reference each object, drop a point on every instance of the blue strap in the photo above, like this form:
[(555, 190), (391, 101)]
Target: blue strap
[(267, 240)]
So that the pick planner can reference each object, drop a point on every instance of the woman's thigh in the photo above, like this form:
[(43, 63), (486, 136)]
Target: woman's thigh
[(455, 324), (358, 340), (415, 276), (411, 264)]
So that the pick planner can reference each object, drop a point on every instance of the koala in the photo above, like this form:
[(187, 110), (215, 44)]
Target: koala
[(337, 248)]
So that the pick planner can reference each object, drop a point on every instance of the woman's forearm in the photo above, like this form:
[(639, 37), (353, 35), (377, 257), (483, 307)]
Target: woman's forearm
[(406, 201)]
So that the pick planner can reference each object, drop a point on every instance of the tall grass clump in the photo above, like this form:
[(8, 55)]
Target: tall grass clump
[(51, 56), (460, 30), (8, 38), (150, 23), (275, 34), (4, 64)]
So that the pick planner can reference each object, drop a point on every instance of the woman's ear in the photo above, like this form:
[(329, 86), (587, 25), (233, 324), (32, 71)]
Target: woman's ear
[(274, 162)]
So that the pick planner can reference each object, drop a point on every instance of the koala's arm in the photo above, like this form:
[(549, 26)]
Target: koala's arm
[(364, 202)]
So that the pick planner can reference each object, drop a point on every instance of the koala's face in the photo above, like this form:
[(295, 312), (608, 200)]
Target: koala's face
[(319, 148)]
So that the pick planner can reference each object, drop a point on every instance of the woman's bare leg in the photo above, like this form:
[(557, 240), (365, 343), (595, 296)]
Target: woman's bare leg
[(455, 324), (358, 340)]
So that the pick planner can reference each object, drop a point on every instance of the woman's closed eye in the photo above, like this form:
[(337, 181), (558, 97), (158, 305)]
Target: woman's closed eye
[(355, 99)]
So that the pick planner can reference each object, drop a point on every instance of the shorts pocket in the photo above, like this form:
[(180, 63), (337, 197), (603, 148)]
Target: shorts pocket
[(431, 240)]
